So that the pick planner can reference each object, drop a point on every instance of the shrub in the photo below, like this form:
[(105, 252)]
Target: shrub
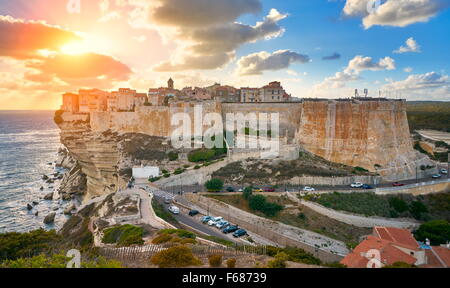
[(164, 171), (201, 155), (173, 156), (19, 245), (215, 261), (279, 261), (417, 208), (160, 239), (398, 204), (154, 179), (167, 175), (438, 232), (179, 171), (214, 185), (125, 235), (259, 203), (179, 232), (197, 167), (247, 193), (186, 166), (175, 257), (231, 263)]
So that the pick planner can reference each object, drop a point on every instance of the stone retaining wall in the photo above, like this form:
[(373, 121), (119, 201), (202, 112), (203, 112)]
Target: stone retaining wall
[(322, 247)]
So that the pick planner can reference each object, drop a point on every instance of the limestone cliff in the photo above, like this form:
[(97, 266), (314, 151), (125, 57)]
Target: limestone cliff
[(369, 134)]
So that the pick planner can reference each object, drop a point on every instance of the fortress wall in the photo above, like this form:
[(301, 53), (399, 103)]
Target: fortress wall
[(151, 120), (290, 113)]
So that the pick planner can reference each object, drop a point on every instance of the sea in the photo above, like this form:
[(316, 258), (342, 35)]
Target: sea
[(29, 144)]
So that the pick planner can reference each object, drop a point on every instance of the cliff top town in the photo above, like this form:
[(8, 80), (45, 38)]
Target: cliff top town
[(126, 99)]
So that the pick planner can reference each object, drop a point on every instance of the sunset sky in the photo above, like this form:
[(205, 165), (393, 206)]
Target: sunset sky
[(316, 48)]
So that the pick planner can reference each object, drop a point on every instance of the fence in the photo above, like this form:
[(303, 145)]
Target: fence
[(147, 251)]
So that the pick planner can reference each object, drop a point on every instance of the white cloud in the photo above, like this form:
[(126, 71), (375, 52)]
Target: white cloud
[(411, 46), (333, 85), (431, 86), (399, 13), (257, 63), (408, 69)]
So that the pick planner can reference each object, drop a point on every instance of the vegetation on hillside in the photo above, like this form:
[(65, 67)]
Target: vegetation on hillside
[(429, 115), (21, 245), (438, 232), (214, 185), (175, 236), (125, 235), (162, 213), (425, 207), (175, 257), (57, 261)]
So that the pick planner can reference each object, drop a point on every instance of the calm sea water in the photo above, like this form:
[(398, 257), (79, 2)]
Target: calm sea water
[(29, 141)]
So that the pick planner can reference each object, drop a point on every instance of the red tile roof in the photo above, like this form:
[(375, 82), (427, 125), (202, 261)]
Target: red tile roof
[(401, 237), (389, 254)]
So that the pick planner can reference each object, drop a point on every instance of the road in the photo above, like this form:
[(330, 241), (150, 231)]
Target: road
[(184, 218), (293, 188)]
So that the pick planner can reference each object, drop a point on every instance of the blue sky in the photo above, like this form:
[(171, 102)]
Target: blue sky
[(199, 42)]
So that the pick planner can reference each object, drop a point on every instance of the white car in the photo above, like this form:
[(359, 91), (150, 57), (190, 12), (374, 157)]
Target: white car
[(214, 221), (444, 171), (174, 209), (309, 189), (357, 185)]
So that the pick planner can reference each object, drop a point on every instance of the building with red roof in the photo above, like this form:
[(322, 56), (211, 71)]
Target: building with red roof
[(388, 245)]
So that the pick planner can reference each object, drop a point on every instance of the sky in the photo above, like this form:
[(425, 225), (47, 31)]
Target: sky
[(318, 49)]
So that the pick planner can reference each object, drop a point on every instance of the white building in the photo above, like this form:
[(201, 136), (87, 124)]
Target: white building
[(145, 172)]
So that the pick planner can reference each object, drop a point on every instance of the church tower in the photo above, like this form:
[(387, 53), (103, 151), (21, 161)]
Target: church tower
[(170, 84)]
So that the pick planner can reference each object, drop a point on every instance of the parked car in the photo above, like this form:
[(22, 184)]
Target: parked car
[(230, 229), (436, 176), (398, 184), (241, 190), (444, 171), (239, 233), (205, 219), (367, 186), (269, 189), (256, 190), (230, 189), (309, 189), (174, 209), (357, 185), (222, 224), (214, 221), (193, 213), (167, 200)]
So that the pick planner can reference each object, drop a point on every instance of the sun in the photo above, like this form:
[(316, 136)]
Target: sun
[(75, 48)]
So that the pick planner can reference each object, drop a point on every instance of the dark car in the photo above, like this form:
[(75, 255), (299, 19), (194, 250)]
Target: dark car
[(230, 229), (193, 213), (239, 233), (398, 184), (367, 186), (230, 189)]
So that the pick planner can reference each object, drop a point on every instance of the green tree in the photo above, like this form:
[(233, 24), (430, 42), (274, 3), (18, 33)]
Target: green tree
[(417, 209), (438, 232), (247, 193), (214, 185), (398, 204)]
